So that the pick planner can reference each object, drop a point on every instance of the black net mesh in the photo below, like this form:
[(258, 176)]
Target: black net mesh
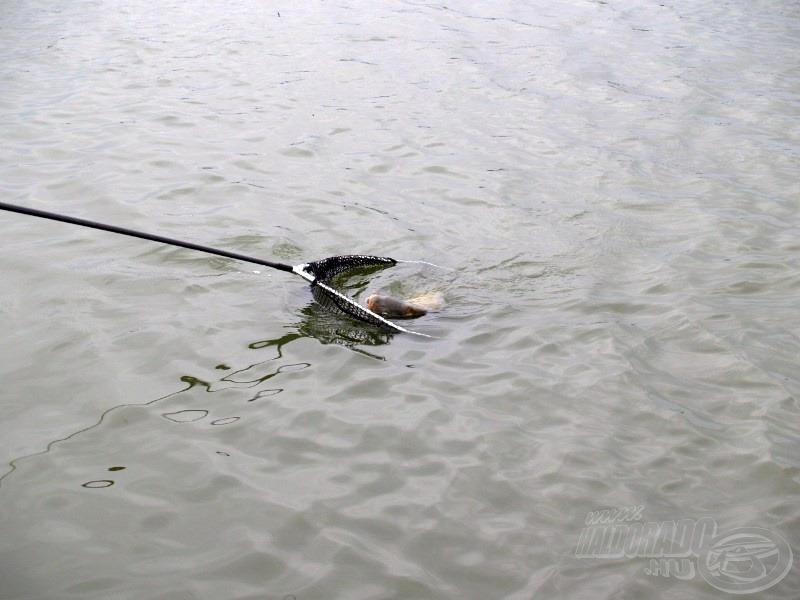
[(326, 269), (331, 327), (336, 301)]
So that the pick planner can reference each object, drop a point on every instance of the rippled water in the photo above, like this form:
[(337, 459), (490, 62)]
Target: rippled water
[(611, 186)]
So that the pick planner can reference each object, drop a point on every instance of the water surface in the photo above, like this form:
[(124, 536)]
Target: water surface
[(611, 186)]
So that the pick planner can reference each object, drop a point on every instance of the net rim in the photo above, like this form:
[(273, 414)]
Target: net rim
[(315, 282)]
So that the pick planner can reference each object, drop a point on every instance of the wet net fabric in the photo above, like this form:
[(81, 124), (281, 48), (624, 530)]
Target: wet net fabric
[(327, 268), (324, 270), (338, 302)]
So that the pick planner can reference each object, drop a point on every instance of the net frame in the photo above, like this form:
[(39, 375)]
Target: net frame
[(319, 273), (327, 268)]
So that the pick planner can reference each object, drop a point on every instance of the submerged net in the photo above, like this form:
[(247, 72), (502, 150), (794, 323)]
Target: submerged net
[(322, 271), (338, 302)]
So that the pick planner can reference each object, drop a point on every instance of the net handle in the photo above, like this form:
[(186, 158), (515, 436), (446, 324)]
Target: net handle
[(33, 212), (298, 269)]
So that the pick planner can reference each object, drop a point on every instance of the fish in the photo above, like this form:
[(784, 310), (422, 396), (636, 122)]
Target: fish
[(394, 308)]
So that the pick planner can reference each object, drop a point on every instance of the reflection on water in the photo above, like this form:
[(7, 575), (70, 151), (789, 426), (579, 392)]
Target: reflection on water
[(185, 416), (318, 324), (321, 324), (249, 380)]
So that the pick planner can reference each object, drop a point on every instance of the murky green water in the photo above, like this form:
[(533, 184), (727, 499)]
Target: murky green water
[(613, 190)]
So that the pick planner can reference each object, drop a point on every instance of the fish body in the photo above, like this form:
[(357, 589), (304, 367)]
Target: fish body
[(386, 306), (393, 308)]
